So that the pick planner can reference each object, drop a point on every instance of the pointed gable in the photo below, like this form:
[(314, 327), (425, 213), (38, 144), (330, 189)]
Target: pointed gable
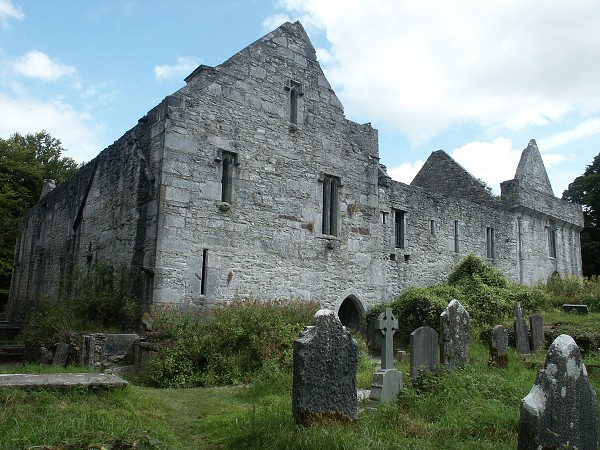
[(443, 175), (531, 170)]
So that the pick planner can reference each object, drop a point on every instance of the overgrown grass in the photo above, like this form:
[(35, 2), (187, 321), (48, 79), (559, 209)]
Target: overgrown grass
[(473, 408)]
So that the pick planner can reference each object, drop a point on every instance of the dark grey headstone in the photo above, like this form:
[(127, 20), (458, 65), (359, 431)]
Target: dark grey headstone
[(324, 379), (88, 350), (521, 334), (560, 410), (61, 354), (536, 330), (499, 346), (455, 337), (423, 351)]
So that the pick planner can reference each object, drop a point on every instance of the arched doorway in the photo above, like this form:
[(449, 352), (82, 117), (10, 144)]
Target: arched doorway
[(351, 313)]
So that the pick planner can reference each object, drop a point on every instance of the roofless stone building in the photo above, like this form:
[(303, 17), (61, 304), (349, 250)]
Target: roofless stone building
[(249, 181)]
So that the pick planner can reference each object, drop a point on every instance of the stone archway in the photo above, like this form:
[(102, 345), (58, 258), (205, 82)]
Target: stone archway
[(351, 313)]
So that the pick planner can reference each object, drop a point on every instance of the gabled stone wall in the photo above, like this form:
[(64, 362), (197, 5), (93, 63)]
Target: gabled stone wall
[(307, 210)]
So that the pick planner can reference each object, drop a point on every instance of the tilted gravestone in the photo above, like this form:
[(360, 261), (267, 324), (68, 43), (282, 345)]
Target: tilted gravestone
[(536, 331), (455, 337), (387, 382), (324, 377), (61, 354), (423, 351), (521, 334), (499, 346), (560, 410)]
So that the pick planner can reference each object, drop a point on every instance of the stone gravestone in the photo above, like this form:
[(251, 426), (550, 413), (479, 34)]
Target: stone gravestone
[(455, 337), (423, 351), (387, 382), (61, 354), (499, 346), (560, 410), (536, 330), (324, 377), (521, 335)]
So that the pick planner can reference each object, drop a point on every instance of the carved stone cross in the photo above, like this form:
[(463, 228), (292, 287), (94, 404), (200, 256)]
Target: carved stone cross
[(387, 324)]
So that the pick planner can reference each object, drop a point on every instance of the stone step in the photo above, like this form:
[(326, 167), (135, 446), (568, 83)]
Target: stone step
[(62, 380)]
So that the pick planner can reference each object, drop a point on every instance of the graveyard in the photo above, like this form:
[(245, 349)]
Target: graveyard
[(462, 379)]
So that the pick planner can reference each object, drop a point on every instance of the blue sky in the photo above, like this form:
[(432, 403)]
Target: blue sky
[(476, 79)]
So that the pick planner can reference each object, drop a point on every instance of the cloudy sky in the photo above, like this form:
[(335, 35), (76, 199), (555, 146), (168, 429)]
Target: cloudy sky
[(476, 79)]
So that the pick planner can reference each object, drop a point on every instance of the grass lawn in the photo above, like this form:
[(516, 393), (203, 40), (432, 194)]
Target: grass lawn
[(473, 408)]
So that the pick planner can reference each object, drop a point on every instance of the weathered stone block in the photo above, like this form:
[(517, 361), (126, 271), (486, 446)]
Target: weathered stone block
[(560, 411), (324, 379), (455, 337)]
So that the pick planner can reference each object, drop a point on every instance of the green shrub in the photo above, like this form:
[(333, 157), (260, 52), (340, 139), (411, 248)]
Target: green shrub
[(574, 289), (95, 299), (231, 344), (472, 268)]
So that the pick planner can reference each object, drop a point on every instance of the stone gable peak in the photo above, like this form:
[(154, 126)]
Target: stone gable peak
[(531, 170)]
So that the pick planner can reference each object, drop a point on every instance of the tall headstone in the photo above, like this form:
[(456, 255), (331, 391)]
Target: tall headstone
[(499, 346), (536, 331), (560, 410), (455, 337), (324, 377), (387, 382), (61, 354), (521, 334), (423, 351)]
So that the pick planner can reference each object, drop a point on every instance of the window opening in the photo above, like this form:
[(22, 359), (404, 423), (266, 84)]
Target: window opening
[(400, 228), (295, 89), (490, 240), (456, 237), (227, 177), (204, 274), (432, 229), (552, 240), (330, 205), (384, 217)]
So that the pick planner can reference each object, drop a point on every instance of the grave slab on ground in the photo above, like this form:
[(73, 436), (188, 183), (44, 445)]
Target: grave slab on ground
[(62, 380)]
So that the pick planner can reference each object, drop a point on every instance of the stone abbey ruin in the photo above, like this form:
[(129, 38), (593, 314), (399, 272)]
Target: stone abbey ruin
[(250, 182)]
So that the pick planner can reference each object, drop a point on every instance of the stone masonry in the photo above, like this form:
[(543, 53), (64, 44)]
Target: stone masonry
[(250, 182)]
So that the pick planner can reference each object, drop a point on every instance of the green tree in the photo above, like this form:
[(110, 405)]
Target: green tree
[(25, 162), (585, 190)]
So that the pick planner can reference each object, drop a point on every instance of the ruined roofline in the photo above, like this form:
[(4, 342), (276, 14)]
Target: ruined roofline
[(295, 28)]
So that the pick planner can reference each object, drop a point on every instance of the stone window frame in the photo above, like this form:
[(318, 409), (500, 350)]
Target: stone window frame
[(432, 227), (204, 273), (296, 91), (330, 220), (490, 243), (400, 228), (456, 233), (229, 161), (552, 248)]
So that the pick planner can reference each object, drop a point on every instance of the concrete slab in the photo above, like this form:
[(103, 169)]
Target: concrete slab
[(62, 380)]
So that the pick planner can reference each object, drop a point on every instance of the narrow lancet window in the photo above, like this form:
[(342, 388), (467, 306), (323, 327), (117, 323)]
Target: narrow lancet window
[(490, 240), (204, 277), (330, 205), (456, 237), (227, 177), (552, 240), (400, 228)]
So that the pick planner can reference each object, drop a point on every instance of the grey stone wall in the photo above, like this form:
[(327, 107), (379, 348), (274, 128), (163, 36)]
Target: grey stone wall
[(154, 201)]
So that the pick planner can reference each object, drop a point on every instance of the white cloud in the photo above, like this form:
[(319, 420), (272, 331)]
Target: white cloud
[(274, 21), (9, 11), (177, 72), (36, 64), (423, 67), (492, 162), (405, 172), (588, 128), (77, 130)]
